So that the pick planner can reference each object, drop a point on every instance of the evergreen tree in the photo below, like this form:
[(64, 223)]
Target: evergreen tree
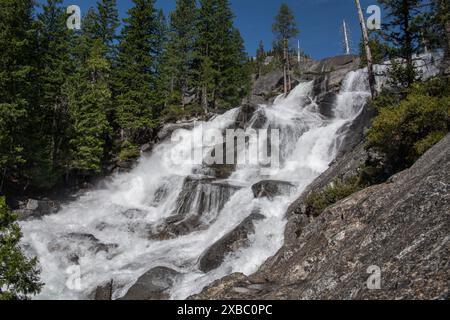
[(89, 101), (183, 35), (260, 56), (220, 52), (17, 86), (136, 82), (437, 33), (403, 32), (107, 24), (285, 28), (55, 66), (19, 276)]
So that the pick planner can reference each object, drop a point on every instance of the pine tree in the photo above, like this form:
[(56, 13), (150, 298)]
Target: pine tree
[(17, 85), (89, 102), (107, 24), (219, 52), (437, 33), (55, 65), (135, 80), (183, 35), (403, 32), (235, 82), (285, 28), (260, 56), (19, 276)]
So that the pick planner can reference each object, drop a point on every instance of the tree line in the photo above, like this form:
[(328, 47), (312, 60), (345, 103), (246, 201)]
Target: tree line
[(73, 101), (409, 28)]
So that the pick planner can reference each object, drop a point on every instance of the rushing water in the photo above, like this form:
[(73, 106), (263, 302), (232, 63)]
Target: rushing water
[(105, 231)]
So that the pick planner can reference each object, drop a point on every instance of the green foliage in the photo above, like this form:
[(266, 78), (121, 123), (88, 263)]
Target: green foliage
[(378, 48), (222, 77), (405, 130), (135, 75), (403, 32), (17, 84), (285, 27), (317, 202), (128, 151), (180, 55), (174, 113), (89, 102), (19, 276)]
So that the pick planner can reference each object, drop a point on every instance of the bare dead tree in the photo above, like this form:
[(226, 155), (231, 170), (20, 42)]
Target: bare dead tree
[(372, 82)]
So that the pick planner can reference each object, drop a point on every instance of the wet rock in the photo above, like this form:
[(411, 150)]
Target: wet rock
[(124, 166), (267, 85), (86, 240), (327, 103), (134, 214), (103, 292), (35, 209), (231, 242), (272, 188), (245, 114), (147, 148), (170, 128), (200, 200), (400, 226), (153, 285)]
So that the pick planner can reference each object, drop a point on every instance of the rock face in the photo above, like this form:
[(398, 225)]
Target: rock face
[(103, 292), (170, 128), (272, 188), (198, 203), (33, 209), (236, 239), (401, 227), (328, 75), (153, 285)]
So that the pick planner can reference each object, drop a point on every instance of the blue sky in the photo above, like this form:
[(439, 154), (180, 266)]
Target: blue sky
[(319, 21)]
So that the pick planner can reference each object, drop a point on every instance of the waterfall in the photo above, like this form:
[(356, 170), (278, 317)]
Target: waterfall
[(163, 214)]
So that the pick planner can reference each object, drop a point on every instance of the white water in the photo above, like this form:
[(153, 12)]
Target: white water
[(309, 143)]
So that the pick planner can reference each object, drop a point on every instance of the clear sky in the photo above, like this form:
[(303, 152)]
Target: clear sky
[(319, 21)]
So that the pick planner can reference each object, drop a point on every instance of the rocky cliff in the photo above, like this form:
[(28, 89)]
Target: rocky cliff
[(400, 228)]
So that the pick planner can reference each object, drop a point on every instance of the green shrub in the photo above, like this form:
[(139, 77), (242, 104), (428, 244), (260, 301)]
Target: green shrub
[(317, 202), (129, 151), (174, 113), (404, 131), (19, 276)]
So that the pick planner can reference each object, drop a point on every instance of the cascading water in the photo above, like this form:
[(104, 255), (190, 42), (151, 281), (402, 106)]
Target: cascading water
[(125, 229)]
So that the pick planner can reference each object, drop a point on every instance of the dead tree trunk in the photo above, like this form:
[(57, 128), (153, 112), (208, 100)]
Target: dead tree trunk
[(285, 71), (367, 49)]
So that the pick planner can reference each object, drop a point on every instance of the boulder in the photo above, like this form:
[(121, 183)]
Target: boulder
[(170, 128), (265, 85), (200, 196), (35, 209), (155, 284), (272, 188), (147, 148), (231, 242), (84, 241), (103, 292)]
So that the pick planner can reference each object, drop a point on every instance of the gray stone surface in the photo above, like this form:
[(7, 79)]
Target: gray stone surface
[(272, 188), (34, 209), (153, 285), (401, 226), (231, 242)]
